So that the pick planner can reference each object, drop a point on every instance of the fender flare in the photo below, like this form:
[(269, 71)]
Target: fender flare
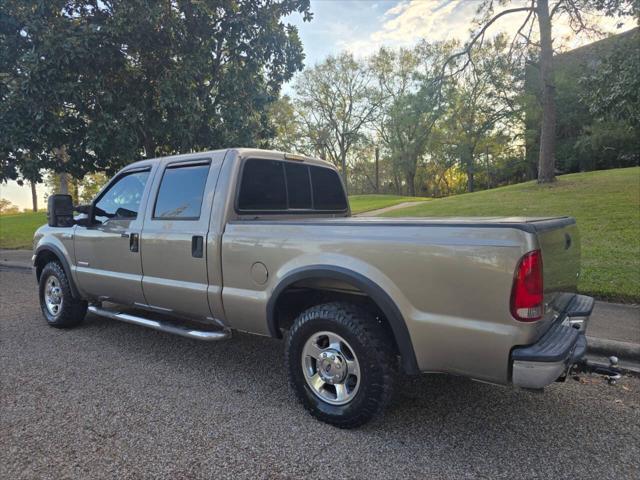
[(63, 261), (374, 291)]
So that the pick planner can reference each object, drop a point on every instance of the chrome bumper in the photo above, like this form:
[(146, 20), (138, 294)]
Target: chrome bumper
[(536, 366)]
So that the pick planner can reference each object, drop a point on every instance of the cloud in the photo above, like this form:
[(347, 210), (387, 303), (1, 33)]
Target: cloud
[(407, 22)]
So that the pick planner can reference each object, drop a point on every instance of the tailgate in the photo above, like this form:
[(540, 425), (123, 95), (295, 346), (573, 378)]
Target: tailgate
[(559, 241)]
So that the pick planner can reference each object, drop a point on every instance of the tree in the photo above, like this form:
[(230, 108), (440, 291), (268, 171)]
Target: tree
[(611, 91), (336, 101), (410, 104), (537, 12), (481, 99), (91, 85), (8, 208), (287, 127)]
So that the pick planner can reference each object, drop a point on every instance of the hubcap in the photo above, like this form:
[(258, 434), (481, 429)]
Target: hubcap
[(330, 368), (53, 296)]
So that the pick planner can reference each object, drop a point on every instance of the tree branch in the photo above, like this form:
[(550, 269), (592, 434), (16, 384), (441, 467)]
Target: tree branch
[(479, 36)]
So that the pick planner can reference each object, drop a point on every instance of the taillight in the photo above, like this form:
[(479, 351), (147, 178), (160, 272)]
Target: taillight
[(527, 291)]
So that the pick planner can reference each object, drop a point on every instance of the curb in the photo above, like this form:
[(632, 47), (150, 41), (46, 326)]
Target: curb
[(624, 350), (16, 266)]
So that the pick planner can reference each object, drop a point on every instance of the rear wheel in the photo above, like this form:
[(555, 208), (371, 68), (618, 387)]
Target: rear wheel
[(59, 308), (341, 364)]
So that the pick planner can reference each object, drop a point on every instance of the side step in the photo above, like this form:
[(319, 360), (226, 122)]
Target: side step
[(163, 326)]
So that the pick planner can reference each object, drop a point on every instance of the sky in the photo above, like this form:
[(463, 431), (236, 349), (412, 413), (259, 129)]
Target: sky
[(363, 26)]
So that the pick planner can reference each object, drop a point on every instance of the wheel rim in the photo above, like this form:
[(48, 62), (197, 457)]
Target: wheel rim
[(331, 368), (53, 296)]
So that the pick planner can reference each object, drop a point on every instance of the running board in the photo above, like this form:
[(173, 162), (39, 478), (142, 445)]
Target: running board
[(163, 326)]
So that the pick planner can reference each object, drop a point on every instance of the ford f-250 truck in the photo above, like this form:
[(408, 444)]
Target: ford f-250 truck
[(263, 242)]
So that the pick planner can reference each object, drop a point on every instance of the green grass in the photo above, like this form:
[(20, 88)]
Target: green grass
[(366, 203), (16, 231), (606, 205)]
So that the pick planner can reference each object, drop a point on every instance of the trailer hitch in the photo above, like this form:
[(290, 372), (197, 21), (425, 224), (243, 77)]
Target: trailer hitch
[(611, 372)]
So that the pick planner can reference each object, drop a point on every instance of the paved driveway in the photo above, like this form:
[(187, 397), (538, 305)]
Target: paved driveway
[(112, 400)]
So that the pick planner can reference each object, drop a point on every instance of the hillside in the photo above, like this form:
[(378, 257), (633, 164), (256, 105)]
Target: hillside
[(16, 231), (366, 203), (606, 205)]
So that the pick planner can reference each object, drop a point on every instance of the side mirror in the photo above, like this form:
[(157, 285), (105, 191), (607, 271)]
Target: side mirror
[(60, 211), (86, 209)]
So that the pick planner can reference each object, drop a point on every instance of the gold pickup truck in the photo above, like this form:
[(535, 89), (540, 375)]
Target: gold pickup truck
[(200, 245)]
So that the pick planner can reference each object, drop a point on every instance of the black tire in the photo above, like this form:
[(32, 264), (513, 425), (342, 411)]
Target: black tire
[(72, 310), (371, 345)]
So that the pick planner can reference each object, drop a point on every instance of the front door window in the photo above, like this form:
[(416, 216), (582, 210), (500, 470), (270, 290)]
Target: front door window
[(122, 200)]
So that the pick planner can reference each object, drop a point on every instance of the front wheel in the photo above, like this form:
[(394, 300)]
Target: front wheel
[(59, 308), (341, 364)]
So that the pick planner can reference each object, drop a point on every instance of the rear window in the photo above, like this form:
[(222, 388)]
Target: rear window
[(262, 186), (272, 186), (298, 185), (181, 192), (328, 193)]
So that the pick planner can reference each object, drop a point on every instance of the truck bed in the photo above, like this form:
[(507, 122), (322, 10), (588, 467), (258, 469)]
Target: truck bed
[(527, 224)]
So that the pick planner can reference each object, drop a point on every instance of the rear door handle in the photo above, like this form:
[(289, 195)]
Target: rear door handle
[(197, 246)]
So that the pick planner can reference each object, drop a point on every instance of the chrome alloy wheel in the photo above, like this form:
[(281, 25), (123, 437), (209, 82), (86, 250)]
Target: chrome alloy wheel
[(330, 367), (53, 295)]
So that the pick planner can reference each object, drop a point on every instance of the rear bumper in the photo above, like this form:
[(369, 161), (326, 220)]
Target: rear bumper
[(537, 365)]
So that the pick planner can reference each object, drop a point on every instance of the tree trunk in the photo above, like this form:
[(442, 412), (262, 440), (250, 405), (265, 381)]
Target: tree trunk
[(76, 191), (149, 144), (411, 183), (547, 159), (34, 196), (467, 161), (62, 156), (471, 181), (343, 164), (488, 167), (377, 170), (64, 183)]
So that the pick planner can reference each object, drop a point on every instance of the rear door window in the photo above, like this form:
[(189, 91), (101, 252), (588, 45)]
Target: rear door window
[(181, 192)]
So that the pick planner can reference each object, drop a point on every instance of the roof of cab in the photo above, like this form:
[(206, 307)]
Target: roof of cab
[(240, 153)]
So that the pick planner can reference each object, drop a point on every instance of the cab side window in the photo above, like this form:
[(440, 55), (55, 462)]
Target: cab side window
[(122, 199), (181, 192)]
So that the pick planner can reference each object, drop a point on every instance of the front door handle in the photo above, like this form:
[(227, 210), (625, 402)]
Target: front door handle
[(197, 246), (134, 243)]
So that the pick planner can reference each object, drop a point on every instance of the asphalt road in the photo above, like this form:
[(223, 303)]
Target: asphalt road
[(112, 400)]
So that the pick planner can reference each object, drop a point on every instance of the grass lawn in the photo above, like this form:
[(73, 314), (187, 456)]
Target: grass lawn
[(366, 203), (606, 205), (16, 231)]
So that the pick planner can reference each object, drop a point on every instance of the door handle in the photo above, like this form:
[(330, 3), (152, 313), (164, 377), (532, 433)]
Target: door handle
[(197, 246), (134, 243)]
